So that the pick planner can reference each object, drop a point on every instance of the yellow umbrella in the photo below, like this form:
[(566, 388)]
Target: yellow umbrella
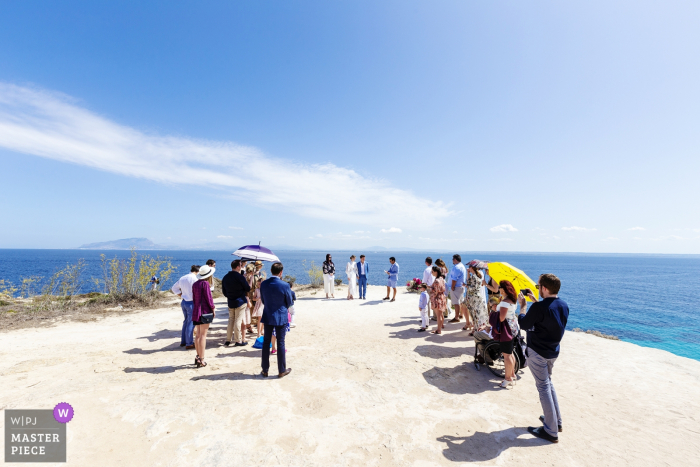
[(506, 272)]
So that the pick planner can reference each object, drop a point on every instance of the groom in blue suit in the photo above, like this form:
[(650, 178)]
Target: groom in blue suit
[(362, 273)]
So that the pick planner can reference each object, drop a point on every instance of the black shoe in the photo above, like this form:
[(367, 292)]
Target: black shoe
[(421, 330), (540, 433), (385, 298), (282, 375), (244, 343), (182, 345), (227, 343), (558, 426), (238, 344), (263, 374)]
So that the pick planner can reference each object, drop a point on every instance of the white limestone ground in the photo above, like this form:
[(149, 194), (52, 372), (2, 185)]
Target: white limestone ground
[(366, 389)]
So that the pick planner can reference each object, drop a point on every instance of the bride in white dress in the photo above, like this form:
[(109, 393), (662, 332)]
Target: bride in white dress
[(351, 271)]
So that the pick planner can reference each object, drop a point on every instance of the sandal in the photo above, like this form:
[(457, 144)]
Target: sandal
[(198, 361), (392, 300), (436, 332), (202, 363)]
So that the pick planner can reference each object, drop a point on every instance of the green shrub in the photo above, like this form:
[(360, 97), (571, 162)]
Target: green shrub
[(315, 274), (132, 276)]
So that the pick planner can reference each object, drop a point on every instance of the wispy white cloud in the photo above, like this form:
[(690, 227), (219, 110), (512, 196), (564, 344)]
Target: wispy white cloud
[(499, 240), (52, 125), (503, 228), (236, 228), (224, 236), (610, 239), (637, 228), (578, 229), (391, 230)]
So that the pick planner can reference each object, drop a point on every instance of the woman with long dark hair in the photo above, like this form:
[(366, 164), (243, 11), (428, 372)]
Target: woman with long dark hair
[(438, 300), (329, 276), (443, 270), (504, 328)]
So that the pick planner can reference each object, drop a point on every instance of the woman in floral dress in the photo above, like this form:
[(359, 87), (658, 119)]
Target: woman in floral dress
[(443, 269), (438, 300), (476, 301)]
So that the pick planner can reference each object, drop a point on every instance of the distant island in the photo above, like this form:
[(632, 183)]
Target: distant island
[(123, 244)]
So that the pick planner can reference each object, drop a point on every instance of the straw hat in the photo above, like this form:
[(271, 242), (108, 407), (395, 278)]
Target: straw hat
[(205, 272)]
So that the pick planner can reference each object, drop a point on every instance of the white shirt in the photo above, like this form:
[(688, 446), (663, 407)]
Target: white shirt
[(184, 286), (428, 277), (362, 268)]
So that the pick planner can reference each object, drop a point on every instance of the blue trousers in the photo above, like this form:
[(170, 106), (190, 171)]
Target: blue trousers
[(362, 282), (280, 332), (187, 326), (541, 369)]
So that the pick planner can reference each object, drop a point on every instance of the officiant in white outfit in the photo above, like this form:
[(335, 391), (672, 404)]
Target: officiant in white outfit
[(351, 271)]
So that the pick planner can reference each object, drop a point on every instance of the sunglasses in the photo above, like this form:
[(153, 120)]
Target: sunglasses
[(537, 286)]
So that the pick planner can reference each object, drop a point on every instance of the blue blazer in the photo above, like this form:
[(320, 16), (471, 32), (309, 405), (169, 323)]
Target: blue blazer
[(359, 273), (276, 295)]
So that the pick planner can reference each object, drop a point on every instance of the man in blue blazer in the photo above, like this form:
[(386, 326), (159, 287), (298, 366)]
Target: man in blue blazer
[(362, 273), (276, 295)]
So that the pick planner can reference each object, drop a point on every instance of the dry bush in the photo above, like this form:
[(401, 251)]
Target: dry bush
[(126, 284), (315, 274)]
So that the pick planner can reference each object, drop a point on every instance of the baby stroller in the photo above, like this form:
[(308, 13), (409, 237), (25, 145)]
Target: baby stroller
[(488, 352)]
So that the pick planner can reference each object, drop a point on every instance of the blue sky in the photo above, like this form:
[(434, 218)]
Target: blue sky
[(519, 126)]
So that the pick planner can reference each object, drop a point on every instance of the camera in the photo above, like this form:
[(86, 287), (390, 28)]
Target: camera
[(525, 292)]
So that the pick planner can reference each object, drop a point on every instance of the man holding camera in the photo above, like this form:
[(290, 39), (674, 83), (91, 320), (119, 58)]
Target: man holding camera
[(546, 322)]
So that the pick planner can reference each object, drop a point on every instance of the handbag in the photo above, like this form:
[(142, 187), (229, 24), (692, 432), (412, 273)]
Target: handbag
[(206, 318)]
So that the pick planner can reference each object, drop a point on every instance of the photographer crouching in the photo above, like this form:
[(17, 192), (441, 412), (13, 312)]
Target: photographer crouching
[(545, 322)]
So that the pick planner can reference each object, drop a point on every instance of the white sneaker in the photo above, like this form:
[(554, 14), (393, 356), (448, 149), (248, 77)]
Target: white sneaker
[(505, 384), (292, 325)]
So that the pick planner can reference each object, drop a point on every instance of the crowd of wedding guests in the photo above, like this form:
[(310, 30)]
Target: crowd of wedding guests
[(495, 311), (492, 311), (242, 289)]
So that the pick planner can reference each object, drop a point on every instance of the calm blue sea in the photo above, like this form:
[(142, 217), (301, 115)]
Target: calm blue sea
[(644, 299)]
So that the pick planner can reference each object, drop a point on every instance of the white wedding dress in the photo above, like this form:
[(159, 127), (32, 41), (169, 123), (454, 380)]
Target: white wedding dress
[(351, 271)]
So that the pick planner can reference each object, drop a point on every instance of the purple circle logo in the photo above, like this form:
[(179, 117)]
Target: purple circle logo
[(63, 412)]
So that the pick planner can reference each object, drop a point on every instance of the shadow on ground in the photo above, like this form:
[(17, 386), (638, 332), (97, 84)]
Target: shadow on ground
[(254, 353), (167, 348), (371, 302), (436, 351), (449, 334), (481, 447), (227, 377), (162, 334), (461, 379), (159, 370)]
